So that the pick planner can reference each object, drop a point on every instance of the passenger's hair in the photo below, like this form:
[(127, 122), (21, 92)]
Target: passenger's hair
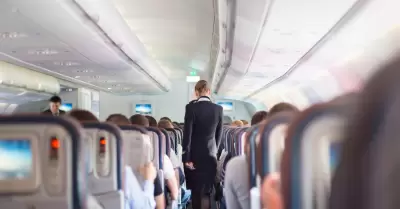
[(140, 120), (258, 117), (282, 107), (166, 118), (55, 99), (175, 124), (152, 121), (202, 86), (165, 124), (83, 115), (237, 123), (118, 119), (245, 122)]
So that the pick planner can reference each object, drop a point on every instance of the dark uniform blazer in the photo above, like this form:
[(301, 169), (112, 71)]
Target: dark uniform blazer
[(48, 111), (201, 137)]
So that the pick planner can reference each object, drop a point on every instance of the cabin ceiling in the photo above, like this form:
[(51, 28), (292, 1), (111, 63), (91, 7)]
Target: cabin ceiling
[(283, 48), (176, 33), (150, 43)]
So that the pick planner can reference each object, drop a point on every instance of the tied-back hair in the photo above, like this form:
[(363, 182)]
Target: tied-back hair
[(202, 86), (140, 120), (118, 119), (83, 115), (237, 123)]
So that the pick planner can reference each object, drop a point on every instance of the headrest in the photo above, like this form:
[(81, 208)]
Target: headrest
[(368, 170), (42, 162), (272, 141), (137, 149), (158, 146), (305, 160), (106, 143), (167, 140)]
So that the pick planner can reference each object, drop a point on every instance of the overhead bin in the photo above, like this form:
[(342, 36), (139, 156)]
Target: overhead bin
[(18, 82)]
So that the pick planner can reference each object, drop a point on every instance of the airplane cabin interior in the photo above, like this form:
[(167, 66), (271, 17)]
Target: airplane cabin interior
[(110, 104)]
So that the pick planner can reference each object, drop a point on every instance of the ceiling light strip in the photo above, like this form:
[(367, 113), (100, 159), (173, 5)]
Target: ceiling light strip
[(265, 16), (52, 73), (115, 46), (350, 13)]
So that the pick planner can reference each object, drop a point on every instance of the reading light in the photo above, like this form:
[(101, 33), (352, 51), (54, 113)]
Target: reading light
[(43, 52), (66, 63), (11, 35)]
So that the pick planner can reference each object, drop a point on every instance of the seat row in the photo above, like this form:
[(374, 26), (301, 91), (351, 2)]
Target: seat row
[(55, 162)]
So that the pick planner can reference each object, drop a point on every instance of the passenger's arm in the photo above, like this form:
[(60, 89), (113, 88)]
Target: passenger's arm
[(187, 134), (229, 193), (134, 195), (237, 191), (160, 201), (218, 132), (172, 184), (158, 194)]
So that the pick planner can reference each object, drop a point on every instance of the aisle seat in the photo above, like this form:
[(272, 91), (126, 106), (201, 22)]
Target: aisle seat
[(43, 162), (105, 176)]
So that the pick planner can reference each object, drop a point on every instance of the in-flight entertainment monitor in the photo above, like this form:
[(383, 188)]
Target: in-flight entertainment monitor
[(17, 166), (334, 154), (66, 107), (227, 106), (144, 109)]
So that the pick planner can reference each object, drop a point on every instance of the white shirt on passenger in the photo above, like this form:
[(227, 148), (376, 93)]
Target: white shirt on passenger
[(174, 160), (168, 168), (136, 195), (236, 184)]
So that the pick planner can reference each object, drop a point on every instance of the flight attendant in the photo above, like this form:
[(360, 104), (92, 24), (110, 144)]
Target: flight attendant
[(202, 133)]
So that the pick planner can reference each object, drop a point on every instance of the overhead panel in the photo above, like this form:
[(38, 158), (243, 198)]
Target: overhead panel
[(291, 28), (358, 49), (175, 33)]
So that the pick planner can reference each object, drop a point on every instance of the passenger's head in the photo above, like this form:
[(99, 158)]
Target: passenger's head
[(237, 123), (83, 115), (165, 124), (118, 119), (245, 122), (152, 121), (166, 118), (55, 103), (202, 88), (140, 120), (258, 117), (282, 107), (175, 124)]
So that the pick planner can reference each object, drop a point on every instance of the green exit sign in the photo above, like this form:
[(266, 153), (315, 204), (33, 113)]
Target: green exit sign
[(193, 73)]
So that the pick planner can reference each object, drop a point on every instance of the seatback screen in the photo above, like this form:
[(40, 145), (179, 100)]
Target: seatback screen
[(15, 159), (334, 154)]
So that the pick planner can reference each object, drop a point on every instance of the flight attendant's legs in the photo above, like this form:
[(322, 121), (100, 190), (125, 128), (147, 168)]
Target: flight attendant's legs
[(201, 199)]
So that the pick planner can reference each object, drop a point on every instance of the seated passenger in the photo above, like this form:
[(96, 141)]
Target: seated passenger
[(118, 119), (237, 123), (258, 117), (152, 121), (245, 122), (166, 118), (282, 107), (237, 185), (141, 120), (83, 115), (135, 196)]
